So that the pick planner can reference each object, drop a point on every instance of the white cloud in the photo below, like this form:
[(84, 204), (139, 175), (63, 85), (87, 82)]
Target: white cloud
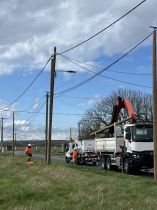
[(20, 122), (93, 100), (36, 104), (30, 29)]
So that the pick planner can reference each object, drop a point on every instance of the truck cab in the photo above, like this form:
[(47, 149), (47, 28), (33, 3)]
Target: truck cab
[(138, 144)]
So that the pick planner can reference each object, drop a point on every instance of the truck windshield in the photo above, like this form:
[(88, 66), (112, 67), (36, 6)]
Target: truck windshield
[(142, 133)]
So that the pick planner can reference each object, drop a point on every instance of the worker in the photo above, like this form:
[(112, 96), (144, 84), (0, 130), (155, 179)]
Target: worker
[(28, 152), (75, 155)]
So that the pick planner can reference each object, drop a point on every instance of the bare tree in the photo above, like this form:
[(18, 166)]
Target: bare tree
[(101, 113)]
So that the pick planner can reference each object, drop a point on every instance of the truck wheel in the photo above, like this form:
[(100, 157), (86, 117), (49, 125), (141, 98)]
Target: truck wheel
[(67, 160), (77, 161), (126, 166), (83, 161), (136, 170), (108, 163), (103, 163)]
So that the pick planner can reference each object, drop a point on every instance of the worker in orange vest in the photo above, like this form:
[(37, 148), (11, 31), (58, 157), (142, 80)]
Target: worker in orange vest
[(28, 152), (75, 155)]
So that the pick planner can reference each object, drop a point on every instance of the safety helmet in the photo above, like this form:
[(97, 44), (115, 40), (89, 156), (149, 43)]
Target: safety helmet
[(29, 145)]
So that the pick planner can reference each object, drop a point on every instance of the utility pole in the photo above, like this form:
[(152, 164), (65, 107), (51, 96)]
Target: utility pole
[(13, 142), (36, 146), (2, 133), (154, 74), (70, 135), (46, 126), (2, 125), (53, 63), (79, 131)]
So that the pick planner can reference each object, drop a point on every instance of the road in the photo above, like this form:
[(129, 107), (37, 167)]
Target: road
[(61, 159), (54, 157)]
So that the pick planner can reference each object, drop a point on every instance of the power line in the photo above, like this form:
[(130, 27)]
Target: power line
[(122, 52), (104, 69), (86, 40), (129, 73), (27, 88), (61, 113), (35, 115), (100, 67), (38, 112), (130, 83), (86, 98)]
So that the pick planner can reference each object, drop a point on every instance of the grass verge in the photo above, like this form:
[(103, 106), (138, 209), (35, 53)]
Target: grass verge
[(58, 186)]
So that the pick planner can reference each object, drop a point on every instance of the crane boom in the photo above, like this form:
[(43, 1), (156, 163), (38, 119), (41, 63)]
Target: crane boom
[(121, 103)]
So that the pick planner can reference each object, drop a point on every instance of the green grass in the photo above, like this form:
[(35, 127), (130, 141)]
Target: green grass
[(58, 186), (54, 151)]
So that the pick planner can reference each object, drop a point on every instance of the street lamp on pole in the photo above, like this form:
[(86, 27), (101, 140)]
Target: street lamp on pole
[(52, 77), (68, 71)]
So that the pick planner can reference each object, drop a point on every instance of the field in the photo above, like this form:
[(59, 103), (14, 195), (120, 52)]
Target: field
[(59, 186)]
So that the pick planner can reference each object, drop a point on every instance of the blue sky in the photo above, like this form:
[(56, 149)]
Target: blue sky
[(28, 34)]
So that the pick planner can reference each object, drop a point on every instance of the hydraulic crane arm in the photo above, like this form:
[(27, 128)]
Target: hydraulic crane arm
[(121, 103)]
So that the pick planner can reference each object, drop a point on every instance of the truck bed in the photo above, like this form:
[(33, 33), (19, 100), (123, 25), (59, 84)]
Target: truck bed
[(110, 145), (88, 145)]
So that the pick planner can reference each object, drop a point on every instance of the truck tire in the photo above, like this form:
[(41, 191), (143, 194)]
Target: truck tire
[(102, 163), (67, 159), (126, 166), (108, 163), (83, 161), (94, 163), (77, 161)]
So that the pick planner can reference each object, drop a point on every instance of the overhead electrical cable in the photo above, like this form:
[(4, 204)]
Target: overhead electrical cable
[(104, 69), (89, 70), (40, 108), (115, 56), (37, 112), (129, 73), (86, 98), (100, 67), (91, 37), (27, 88)]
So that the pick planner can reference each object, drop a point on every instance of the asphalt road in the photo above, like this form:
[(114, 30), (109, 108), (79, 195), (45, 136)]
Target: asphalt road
[(54, 157), (61, 159)]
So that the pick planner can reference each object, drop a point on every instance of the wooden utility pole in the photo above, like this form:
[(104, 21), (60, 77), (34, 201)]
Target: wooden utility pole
[(70, 135), (154, 74), (2, 133), (53, 63), (79, 131), (13, 142), (46, 126)]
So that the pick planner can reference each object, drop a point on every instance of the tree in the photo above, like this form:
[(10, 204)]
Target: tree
[(101, 113)]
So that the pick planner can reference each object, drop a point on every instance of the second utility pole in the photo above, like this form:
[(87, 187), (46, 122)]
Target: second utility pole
[(154, 74), (13, 142), (53, 63), (2, 149), (46, 127)]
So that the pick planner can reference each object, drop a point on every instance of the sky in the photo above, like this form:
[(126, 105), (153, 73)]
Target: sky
[(29, 32)]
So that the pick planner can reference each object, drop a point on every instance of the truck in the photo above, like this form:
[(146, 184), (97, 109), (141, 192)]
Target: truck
[(126, 144), (86, 150)]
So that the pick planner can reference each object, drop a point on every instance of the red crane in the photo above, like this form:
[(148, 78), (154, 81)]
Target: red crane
[(121, 103)]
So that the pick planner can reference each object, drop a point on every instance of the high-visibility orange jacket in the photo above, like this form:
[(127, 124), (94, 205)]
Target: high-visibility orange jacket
[(75, 154), (28, 150)]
